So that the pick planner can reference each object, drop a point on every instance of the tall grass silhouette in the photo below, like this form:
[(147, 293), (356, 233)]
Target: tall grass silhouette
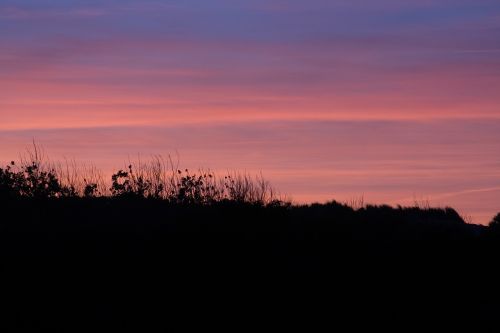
[(158, 178)]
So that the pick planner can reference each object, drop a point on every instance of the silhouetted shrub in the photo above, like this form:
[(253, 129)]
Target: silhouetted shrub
[(121, 184), (8, 182), (30, 180), (195, 189), (90, 190), (495, 223)]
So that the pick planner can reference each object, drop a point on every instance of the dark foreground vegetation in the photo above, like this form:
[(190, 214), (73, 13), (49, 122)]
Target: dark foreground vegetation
[(162, 250)]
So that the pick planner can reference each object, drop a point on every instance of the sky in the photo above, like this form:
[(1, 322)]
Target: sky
[(392, 100)]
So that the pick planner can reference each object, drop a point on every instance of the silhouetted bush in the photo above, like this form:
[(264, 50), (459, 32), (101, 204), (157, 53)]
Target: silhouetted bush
[(32, 181), (8, 182), (495, 223), (90, 190)]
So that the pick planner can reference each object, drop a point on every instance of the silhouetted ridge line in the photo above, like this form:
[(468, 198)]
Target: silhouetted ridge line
[(160, 245)]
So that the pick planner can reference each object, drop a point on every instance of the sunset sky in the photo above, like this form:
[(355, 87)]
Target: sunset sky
[(395, 100)]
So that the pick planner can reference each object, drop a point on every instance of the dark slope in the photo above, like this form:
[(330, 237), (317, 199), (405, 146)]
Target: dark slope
[(121, 263)]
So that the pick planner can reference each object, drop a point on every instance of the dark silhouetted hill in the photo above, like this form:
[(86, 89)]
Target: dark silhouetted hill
[(155, 255)]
